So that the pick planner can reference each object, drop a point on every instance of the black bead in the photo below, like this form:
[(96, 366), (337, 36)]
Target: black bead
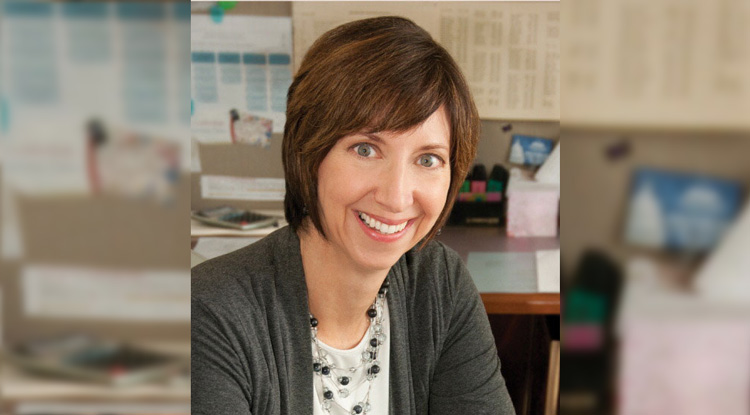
[(374, 342), (375, 369), (357, 409), (316, 367), (344, 380), (382, 291), (373, 355), (328, 395), (386, 284), (325, 370), (313, 322), (372, 313)]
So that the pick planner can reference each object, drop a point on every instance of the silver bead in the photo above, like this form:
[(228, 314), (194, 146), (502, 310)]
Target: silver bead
[(343, 392)]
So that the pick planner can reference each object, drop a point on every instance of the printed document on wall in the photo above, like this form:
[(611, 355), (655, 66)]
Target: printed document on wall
[(510, 55), (674, 64), (242, 63), (314, 18), (509, 52)]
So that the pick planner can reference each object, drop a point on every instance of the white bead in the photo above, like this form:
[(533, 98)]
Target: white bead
[(343, 392)]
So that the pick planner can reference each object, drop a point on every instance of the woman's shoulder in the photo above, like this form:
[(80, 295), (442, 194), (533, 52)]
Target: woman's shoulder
[(238, 272), (434, 255), (435, 268)]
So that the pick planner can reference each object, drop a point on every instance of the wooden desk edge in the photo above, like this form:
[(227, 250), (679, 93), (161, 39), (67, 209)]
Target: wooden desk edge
[(518, 303)]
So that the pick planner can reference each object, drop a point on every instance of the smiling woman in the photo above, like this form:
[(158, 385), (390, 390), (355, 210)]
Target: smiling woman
[(368, 185), (353, 309)]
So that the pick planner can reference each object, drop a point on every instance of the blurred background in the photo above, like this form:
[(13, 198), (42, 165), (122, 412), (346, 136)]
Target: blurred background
[(95, 180), (655, 114), (94, 166)]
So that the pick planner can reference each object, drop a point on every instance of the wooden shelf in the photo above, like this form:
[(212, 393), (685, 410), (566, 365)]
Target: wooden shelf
[(517, 303)]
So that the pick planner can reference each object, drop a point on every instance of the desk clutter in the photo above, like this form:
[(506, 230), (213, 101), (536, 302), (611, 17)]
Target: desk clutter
[(77, 373), (229, 217), (525, 199), (87, 359)]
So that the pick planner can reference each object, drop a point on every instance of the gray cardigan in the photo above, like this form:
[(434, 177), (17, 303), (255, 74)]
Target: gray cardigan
[(251, 335)]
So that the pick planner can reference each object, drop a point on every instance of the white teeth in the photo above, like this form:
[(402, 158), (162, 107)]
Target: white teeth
[(382, 227)]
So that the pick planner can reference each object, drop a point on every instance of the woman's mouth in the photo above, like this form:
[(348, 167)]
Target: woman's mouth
[(382, 228)]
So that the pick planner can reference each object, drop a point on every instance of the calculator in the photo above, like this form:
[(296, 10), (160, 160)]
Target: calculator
[(229, 217)]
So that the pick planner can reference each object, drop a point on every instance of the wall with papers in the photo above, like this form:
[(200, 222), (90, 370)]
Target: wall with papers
[(509, 52)]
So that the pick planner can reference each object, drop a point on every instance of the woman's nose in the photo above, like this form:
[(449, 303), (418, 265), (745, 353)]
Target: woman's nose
[(395, 188)]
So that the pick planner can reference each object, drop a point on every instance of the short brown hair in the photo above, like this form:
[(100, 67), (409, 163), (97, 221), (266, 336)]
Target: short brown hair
[(368, 76)]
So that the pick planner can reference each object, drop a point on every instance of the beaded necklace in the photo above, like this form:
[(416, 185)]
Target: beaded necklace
[(340, 378)]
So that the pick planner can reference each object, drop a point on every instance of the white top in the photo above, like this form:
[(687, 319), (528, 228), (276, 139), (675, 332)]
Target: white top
[(358, 385)]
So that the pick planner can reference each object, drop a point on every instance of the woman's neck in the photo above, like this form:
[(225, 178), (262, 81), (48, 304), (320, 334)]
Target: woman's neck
[(339, 292)]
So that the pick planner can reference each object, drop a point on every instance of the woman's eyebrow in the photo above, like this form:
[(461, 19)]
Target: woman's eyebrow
[(374, 137), (434, 147), (431, 146)]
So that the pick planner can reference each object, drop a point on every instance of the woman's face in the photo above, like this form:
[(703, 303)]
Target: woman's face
[(380, 194)]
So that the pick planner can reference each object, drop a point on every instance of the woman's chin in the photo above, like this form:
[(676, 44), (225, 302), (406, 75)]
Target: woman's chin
[(373, 261)]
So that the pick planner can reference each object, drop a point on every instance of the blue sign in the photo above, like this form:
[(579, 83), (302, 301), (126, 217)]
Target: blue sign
[(680, 211), (530, 151)]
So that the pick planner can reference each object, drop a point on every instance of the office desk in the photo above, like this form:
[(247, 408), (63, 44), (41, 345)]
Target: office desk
[(465, 239)]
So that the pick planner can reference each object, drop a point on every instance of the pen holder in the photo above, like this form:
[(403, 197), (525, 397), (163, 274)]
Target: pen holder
[(482, 205)]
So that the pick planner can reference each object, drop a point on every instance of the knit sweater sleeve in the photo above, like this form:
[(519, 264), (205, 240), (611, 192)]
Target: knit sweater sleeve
[(217, 381), (467, 376)]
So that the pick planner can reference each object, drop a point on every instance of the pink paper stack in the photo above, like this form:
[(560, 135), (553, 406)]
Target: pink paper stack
[(532, 206)]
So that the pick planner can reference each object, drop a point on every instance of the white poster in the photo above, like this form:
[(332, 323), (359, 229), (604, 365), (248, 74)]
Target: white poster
[(82, 292), (242, 63), (242, 188)]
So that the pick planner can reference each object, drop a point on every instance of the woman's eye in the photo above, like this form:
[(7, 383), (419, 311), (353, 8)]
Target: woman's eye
[(364, 150), (429, 160)]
